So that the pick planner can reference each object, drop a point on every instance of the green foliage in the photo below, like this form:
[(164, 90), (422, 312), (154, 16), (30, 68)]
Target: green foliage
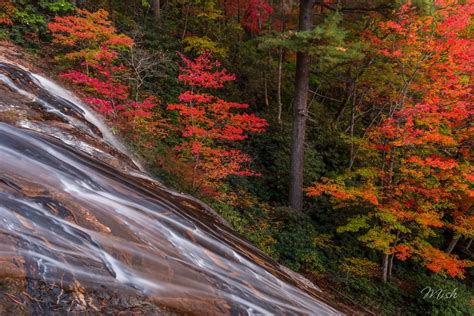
[(251, 219), (57, 6), (29, 20), (29, 17), (354, 225), (459, 304), (296, 239), (384, 299), (327, 41)]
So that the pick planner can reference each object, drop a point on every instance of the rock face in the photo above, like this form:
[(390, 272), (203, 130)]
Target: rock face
[(83, 229)]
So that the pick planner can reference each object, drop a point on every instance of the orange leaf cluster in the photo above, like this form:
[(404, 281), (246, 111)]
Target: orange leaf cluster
[(423, 177), (87, 32)]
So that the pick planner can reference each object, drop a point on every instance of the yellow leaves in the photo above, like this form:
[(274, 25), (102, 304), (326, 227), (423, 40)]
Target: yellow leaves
[(378, 239), (201, 45), (463, 225), (429, 219), (355, 224), (359, 267)]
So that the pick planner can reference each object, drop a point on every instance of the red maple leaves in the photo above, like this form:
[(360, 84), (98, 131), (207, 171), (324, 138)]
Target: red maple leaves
[(94, 47), (254, 13), (203, 72), (208, 124)]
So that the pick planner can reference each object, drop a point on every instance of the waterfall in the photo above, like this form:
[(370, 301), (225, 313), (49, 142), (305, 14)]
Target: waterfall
[(77, 213)]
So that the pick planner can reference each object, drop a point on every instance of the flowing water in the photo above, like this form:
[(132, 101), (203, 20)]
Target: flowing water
[(79, 218)]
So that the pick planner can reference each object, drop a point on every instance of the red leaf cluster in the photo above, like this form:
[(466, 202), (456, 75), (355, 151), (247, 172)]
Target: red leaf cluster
[(208, 123)]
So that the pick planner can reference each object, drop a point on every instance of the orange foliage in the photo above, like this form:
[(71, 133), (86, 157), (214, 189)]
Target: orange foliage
[(424, 173), (87, 32), (7, 9), (443, 263)]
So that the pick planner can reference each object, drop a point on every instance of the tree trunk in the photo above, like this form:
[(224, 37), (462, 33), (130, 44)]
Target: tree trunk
[(384, 267), (300, 111), (281, 54), (156, 9), (267, 102), (452, 244), (390, 267), (352, 150), (280, 66)]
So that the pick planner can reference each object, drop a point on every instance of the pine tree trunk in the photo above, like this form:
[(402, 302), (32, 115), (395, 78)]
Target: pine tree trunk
[(300, 109)]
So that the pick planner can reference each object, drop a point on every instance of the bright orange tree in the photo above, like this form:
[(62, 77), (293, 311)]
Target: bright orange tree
[(87, 34), (421, 181), (209, 125)]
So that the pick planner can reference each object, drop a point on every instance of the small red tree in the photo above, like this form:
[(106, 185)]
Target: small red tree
[(256, 15), (209, 125)]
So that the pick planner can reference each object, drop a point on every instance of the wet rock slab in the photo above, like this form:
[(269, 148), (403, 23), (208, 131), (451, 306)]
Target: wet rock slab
[(83, 229)]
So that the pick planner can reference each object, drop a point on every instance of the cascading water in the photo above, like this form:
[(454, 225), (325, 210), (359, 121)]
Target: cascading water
[(78, 219)]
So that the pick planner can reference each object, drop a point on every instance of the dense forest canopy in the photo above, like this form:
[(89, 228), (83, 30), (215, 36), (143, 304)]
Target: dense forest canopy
[(336, 135)]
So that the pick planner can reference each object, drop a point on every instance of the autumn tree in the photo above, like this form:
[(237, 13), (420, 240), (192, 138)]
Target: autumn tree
[(209, 125), (87, 34), (418, 180), (94, 46)]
